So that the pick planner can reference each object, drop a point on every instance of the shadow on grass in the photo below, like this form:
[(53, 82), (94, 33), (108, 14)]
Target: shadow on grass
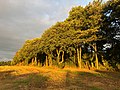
[(32, 80), (28, 81), (110, 74), (6, 75), (76, 81), (102, 80), (73, 80)]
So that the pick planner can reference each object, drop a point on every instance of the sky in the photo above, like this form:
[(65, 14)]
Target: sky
[(21, 20)]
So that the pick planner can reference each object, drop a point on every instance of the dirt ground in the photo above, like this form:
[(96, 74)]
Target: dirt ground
[(51, 78)]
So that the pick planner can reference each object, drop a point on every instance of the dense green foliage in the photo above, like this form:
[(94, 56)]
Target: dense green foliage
[(78, 41), (111, 31), (5, 63)]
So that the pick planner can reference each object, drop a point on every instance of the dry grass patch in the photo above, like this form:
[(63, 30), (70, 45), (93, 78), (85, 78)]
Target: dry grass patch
[(52, 78)]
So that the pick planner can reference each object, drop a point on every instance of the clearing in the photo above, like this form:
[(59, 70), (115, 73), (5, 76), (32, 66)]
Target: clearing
[(35, 78)]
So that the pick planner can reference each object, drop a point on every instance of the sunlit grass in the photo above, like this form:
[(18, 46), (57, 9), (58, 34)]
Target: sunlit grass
[(29, 77)]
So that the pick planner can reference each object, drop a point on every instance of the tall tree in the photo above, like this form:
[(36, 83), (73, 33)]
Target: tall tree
[(111, 31)]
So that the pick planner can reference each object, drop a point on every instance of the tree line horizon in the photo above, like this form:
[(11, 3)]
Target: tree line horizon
[(88, 38)]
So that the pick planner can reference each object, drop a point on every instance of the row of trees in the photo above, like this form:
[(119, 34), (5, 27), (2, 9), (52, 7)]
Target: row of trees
[(5, 63), (87, 38)]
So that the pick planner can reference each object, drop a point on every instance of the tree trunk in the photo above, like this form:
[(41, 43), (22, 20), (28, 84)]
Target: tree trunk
[(58, 55), (46, 60), (35, 63), (39, 64), (74, 57), (92, 58), (50, 61), (87, 64), (32, 61), (62, 58), (92, 64), (96, 57), (26, 62), (79, 52), (80, 58)]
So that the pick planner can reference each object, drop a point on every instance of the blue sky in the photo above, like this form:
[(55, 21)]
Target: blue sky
[(21, 20)]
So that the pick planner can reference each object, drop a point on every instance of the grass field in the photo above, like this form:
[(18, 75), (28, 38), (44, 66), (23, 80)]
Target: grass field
[(35, 78)]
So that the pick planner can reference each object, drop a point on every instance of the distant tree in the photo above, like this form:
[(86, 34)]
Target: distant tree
[(27, 52), (5, 63)]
